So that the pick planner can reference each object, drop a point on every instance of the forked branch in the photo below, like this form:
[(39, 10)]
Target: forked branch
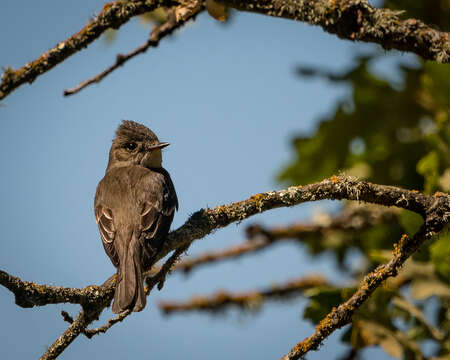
[(94, 299), (355, 20)]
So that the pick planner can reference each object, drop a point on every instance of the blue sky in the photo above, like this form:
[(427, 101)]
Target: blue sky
[(227, 100)]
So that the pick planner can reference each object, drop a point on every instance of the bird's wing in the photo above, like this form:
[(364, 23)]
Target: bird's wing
[(157, 201), (105, 223)]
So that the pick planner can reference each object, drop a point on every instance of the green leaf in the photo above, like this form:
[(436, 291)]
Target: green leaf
[(322, 300), (428, 166), (440, 256), (410, 221)]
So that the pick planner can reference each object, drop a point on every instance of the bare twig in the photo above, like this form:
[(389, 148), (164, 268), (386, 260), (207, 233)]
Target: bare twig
[(357, 20), (173, 23), (214, 256), (342, 315), (66, 338), (113, 15), (352, 218), (203, 222), (349, 19), (160, 277), (435, 209), (403, 303), (89, 333), (222, 299)]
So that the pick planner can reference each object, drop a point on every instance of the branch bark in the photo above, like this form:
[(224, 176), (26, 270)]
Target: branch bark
[(176, 19), (434, 209), (351, 219), (28, 294), (113, 15), (357, 20), (68, 336), (436, 218), (205, 221), (222, 299), (354, 20), (342, 315)]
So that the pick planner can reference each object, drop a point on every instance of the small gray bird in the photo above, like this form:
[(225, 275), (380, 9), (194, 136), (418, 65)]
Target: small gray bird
[(134, 207)]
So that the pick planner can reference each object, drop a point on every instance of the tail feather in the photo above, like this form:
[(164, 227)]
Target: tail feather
[(129, 289), (140, 298)]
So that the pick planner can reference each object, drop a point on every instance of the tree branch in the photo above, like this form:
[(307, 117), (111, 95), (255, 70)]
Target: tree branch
[(113, 15), (434, 209), (222, 299), (89, 333), (349, 19), (67, 337), (231, 252), (357, 20), (28, 294), (174, 22), (342, 315), (352, 218), (205, 221), (160, 277)]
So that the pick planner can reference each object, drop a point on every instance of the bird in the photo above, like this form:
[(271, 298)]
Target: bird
[(134, 206)]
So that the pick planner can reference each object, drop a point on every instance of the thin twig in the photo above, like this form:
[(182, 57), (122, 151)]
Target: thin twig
[(350, 19), (203, 222), (160, 277), (66, 338), (231, 252), (89, 333), (342, 315), (434, 208), (353, 218), (113, 15), (357, 20), (222, 299), (157, 34)]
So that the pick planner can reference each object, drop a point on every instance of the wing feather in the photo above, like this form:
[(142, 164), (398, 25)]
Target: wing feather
[(105, 223), (157, 200)]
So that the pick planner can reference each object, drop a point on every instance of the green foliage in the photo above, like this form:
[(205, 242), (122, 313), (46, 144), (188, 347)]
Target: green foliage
[(386, 135), (322, 301), (440, 257), (428, 167), (410, 222), (389, 135)]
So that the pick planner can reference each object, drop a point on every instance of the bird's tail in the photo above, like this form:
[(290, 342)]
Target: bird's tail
[(130, 289)]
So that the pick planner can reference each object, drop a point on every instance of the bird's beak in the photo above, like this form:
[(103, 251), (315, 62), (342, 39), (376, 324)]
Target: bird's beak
[(159, 146)]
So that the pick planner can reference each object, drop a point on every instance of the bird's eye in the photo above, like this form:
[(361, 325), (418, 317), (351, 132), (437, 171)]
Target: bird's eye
[(130, 146)]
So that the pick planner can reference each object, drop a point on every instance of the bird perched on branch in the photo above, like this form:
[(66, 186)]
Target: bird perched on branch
[(134, 206)]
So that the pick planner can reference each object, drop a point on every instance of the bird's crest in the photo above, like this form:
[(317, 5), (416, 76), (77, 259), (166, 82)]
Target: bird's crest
[(130, 130)]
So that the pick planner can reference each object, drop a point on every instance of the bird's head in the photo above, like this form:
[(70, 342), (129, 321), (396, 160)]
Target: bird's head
[(135, 144)]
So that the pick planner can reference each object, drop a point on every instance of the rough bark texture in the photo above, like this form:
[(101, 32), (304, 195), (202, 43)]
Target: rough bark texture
[(223, 299), (259, 238), (348, 19), (358, 20), (435, 209), (342, 315), (176, 19), (113, 15)]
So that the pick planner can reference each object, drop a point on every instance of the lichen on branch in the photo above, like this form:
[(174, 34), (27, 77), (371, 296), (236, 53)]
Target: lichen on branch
[(435, 209), (223, 299), (113, 15), (357, 20), (348, 19)]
